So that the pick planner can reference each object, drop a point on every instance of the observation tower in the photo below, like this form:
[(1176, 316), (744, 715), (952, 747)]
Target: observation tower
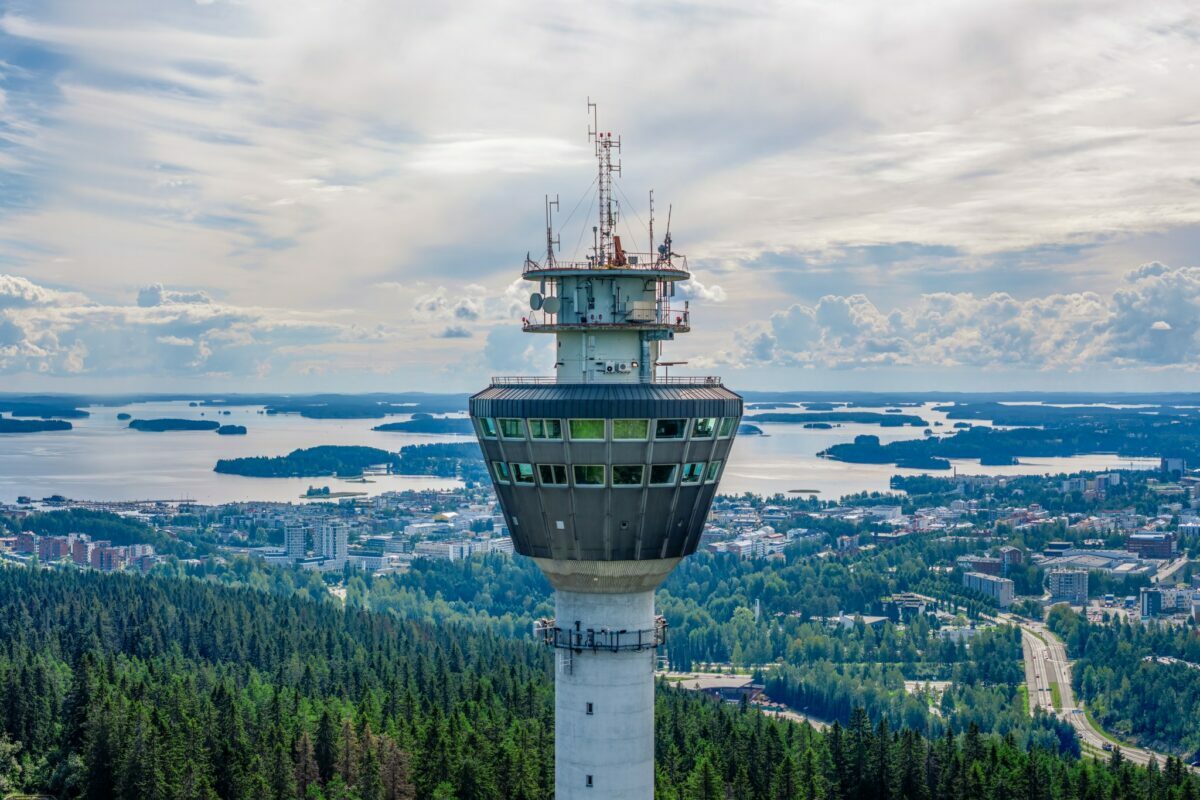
[(605, 473)]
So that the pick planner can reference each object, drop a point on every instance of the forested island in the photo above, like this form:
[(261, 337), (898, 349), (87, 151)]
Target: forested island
[(231, 430), (440, 460), (746, 429), (43, 408), (160, 425), (861, 417), (1129, 434), (424, 423), (10, 425)]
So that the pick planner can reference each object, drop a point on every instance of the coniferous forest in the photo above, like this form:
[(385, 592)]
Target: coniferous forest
[(117, 686)]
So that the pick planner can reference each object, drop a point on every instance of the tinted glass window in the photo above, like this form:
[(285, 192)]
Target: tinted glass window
[(512, 428), (714, 468), (704, 428), (587, 429), (662, 474), (589, 474), (545, 428), (692, 473), (727, 425), (669, 428), (522, 473), (631, 429), (500, 471), (553, 474), (488, 426), (628, 475)]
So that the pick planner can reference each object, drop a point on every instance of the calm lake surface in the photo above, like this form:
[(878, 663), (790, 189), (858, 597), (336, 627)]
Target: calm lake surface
[(102, 459)]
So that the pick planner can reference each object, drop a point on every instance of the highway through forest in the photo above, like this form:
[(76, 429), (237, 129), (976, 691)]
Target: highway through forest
[(1046, 663)]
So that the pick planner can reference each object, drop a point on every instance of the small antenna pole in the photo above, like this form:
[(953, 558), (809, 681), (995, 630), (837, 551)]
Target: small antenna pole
[(651, 251), (551, 240)]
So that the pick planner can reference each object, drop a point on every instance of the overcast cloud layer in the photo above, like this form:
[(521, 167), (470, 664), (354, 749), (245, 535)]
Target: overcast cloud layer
[(291, 195)]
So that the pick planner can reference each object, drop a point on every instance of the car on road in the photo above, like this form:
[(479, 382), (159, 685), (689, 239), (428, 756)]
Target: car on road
[(1106, 747)]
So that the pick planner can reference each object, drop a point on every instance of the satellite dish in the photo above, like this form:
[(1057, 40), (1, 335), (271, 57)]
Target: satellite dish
[(535, 301), (551, 305)]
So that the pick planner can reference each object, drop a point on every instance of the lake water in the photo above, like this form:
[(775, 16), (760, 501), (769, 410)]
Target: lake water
[(102, 459)]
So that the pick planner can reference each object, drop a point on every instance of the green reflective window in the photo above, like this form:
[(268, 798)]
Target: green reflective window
[(714, 468), (628, 474), (487, 427), (587, 429), (670, 428), (692, 473), (500, 471), (662, 474), (545, 428), (589, 474), (631, 429), (553, 474), (727, 426), (522, 473), (704, 428), (512, 428)]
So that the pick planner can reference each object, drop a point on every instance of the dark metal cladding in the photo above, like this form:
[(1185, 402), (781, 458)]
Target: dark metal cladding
[(611, 400), (607, 523)]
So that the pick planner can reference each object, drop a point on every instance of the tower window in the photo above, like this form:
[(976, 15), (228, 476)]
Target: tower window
[(500, 471), (714, 469), (703, 428), (589, 781), (487, 427), (631, 430), (522, 473), (545, 428), (727, 426), (662, 474), (692, 473), (589, 474), (512, 428), (552, 474), (587, 429), (670, 428), (589, 709), (628, 474)]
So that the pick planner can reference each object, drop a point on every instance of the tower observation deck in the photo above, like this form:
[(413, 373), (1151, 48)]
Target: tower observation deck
[(605, 473)]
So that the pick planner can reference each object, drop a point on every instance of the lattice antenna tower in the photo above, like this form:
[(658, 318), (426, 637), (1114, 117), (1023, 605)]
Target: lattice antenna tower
[(609, 208)]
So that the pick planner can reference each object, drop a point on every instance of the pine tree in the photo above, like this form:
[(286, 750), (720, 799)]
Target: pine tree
[(326, 748), (304, 761)]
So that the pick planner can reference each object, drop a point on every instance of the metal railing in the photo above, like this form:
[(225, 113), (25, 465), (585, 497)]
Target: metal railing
[(549, 380), (597, 640), (639, 262)]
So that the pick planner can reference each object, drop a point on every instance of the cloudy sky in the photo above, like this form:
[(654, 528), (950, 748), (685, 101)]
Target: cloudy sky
[(290, 195)]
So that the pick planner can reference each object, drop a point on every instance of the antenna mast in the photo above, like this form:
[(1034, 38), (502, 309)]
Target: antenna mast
[(605, 143), (552, 241)]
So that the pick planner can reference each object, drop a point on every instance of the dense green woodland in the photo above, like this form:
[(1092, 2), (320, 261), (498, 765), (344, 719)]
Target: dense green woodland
[(1151, 703), (114, 686), (443, 460)]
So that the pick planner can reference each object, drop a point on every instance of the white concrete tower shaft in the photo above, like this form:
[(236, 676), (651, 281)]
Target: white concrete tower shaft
[(604, 702)]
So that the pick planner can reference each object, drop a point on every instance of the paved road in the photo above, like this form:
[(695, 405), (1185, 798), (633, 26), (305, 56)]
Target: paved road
[(1046, 661)]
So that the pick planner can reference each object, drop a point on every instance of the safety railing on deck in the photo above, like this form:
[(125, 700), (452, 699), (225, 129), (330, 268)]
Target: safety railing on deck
[(549, 380), (640, 262), (595, 640)]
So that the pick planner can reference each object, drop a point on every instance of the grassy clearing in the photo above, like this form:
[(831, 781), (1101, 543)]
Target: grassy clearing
[(1055, 696), (1023, 691)]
